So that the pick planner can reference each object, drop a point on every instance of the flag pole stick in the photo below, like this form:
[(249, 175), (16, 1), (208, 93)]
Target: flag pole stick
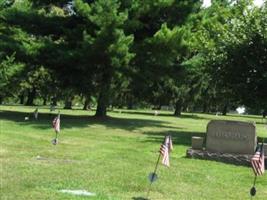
[(58, 115), (153, 175), (255, 178)]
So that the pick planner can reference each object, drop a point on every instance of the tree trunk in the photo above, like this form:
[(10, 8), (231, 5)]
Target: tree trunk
[(31, 97), (102, 102), (130, 105), (178, 108), (21, 99), (54, 101), (103, 98), (225, 108), (1, 100), (44, 101), (86, 105), (68, 103), (129, 101), (205, 107), (264, 113)]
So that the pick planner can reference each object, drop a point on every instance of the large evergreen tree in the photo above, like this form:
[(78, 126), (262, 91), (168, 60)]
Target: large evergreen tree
[(110, 46), (122, 52)]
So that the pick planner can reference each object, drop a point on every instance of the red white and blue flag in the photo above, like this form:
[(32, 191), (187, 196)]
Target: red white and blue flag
[(56, 123), (35, 113), (165, 149), (257, 161)]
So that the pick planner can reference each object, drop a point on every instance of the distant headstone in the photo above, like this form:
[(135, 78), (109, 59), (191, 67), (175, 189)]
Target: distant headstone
[(236, 137), (197, 142)]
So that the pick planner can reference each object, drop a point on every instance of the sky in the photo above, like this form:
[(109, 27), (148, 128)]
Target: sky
[(207, 3)]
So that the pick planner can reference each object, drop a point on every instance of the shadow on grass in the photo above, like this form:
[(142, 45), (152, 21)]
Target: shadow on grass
[(259, 118), (181, 137), (178, 137), (69, 121), (183, 116), (139, 198)]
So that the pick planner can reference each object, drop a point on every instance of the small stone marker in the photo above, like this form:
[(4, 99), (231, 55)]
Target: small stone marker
[(197, 142), (225, 136), (54, 160), (78, 192)]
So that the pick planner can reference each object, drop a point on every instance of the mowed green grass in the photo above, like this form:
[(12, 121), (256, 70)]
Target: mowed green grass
[(113, 157)]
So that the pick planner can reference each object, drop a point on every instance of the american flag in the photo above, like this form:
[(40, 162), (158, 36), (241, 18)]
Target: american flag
[(165, 149), (35, 113), (169, 143), (56, 123), (257, 161)]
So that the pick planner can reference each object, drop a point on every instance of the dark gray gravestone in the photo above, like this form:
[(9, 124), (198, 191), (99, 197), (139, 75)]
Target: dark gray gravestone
[(236, 137)]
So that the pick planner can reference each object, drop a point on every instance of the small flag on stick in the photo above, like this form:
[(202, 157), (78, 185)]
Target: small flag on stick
[(169, 142), (56, 123), (56, 126), (165, 148), (257, 161), (35, 113), (164, 151)]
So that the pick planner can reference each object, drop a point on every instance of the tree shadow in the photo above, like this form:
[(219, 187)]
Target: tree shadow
[(178, 137), (260, 119), (69, 121), (181, 137), (183, 116), (139, 198)]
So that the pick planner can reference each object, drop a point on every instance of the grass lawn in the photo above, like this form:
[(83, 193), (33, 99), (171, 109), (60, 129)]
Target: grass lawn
[(113, 157)]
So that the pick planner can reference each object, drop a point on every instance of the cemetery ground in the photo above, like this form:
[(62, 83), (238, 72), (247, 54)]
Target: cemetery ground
[(113, 157)]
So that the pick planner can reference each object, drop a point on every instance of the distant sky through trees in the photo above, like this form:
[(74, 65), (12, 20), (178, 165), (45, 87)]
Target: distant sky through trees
[(207, 3)]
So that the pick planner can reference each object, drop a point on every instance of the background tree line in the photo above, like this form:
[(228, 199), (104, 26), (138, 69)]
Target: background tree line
[(128, 53)]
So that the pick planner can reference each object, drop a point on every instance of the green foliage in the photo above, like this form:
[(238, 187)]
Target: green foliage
[(8, 70), (6, 3), (121, 52)]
